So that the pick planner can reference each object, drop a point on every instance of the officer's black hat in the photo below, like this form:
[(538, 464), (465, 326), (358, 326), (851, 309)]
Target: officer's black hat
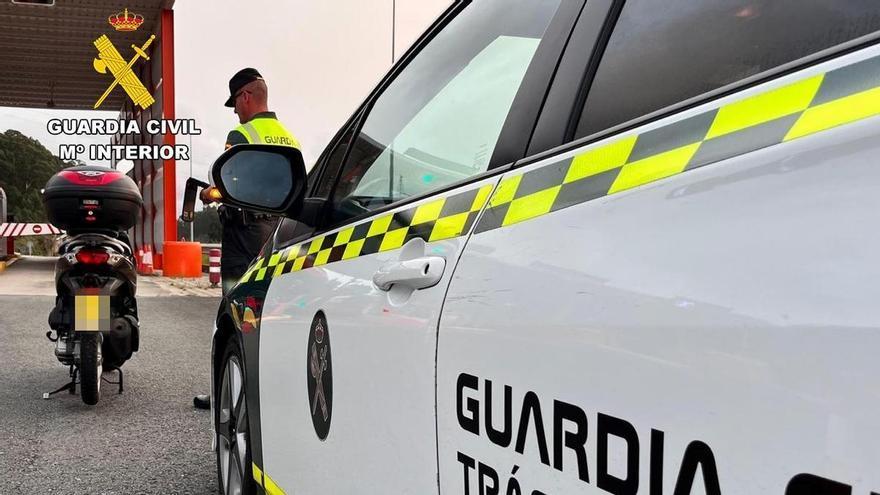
[(239, 80)]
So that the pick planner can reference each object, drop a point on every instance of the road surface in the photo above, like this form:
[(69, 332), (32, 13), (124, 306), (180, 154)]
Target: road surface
[(147, 440)]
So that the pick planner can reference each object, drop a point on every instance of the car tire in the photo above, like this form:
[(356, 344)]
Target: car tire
[(90, 368), (231, 425)]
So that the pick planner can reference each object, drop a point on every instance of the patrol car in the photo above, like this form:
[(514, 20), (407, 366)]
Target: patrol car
[(573, 246)]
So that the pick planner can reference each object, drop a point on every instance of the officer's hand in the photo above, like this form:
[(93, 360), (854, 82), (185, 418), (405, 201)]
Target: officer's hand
[(209, 194)]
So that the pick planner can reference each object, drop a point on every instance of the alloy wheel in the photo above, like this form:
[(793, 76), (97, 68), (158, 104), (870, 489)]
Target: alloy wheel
[(232, 434)]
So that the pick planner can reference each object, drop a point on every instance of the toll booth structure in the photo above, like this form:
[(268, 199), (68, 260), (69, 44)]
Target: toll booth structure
[(47, 51)]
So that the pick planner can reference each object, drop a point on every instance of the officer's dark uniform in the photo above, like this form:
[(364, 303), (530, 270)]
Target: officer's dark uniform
[(244, 232)]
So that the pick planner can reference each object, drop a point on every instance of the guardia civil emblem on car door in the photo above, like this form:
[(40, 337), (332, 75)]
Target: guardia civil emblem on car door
[(319, 375)]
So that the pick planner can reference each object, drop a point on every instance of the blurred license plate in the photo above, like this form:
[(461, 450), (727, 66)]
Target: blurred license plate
[(91, 313)]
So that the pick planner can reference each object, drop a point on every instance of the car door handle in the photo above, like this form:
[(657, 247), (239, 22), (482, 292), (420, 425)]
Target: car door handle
[(419, 273)]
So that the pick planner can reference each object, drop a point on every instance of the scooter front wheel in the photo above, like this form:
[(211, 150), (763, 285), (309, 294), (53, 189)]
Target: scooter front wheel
[(90, 367)]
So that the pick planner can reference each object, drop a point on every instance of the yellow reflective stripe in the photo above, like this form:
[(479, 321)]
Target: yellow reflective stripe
[(298, 264), (315, 246), (343, 237), (270, 486), (353, 249), (428, 212), (379, 226), (384, 233), (449, 227), (258, 474), (250, 132), (274, 259), (837, 112), (252, 270), (482, 197), (294, 252), (840, 96), (259, 270), (601, 159), (506, 191), (393, 239), (653, 168), (279, 270), (322, 257), (531, 206), (765, 107)]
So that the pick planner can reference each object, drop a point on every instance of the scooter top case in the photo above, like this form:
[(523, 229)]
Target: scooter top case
[(92, 198)]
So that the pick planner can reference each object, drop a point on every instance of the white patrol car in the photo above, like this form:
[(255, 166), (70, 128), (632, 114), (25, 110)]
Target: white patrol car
[(573, 246)]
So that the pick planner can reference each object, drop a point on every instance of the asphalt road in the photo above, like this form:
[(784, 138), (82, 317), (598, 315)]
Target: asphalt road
[(148, 440)]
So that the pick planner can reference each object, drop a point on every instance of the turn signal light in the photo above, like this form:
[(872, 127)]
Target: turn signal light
[(214, 194), (92, 257)]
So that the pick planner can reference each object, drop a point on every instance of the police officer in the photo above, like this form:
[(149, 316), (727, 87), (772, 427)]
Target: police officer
[(244, 232)]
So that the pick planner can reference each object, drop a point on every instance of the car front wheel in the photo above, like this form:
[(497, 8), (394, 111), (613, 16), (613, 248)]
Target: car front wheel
[(231, 426)]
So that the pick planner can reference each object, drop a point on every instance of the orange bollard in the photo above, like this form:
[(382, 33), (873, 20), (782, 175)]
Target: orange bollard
[(182, 259)]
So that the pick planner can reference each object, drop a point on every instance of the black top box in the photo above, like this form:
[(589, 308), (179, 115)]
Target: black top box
[(92, 198)]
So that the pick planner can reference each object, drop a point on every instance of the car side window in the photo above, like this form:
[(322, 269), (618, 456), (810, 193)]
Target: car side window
[(439, 120), (325, 170), (662, 52), (289, 230), (333, 164)]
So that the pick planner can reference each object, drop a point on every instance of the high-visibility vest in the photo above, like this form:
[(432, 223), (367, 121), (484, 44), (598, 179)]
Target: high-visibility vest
[(266, 130)]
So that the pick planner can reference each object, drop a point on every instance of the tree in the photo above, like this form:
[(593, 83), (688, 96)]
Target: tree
[(206, 226), (25, 166)]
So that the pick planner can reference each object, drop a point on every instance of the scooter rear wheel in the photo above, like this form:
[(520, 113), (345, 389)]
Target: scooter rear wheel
[(90, 368)]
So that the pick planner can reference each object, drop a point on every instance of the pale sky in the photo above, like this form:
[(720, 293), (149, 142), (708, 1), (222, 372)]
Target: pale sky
[(319, 58)]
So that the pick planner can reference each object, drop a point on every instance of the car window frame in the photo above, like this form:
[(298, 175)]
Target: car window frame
[(577, 65), (554, 133), (529, 89), (327, 168)]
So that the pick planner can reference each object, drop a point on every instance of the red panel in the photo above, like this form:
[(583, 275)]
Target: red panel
[(170, 166)]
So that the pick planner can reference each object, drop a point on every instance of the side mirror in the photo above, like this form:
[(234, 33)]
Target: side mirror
[(189, 198), (261, 177)]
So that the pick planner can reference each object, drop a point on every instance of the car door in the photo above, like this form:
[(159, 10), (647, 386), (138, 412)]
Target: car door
[(677, 294), (348, 328)]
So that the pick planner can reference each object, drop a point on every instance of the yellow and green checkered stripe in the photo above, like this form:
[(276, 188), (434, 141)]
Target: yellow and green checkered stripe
[(442, 218), (781, 114)]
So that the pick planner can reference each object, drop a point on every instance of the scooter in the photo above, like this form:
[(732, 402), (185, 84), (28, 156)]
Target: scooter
[(94, 324)]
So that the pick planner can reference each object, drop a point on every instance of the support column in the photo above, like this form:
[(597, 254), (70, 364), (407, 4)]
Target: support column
[(169, 167)]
